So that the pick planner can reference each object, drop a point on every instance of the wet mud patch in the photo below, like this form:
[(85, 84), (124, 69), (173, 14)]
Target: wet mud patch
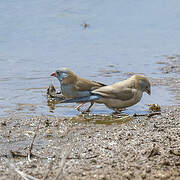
[(142, 148), (102, 119)]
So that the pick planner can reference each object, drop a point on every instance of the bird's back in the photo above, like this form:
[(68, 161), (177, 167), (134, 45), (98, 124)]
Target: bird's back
[(117, 87), (87, 85)]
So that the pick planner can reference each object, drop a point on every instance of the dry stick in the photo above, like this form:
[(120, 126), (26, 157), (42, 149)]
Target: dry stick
[(148, 115), (153, 114), (62, 163), (22, 174), (32, 143), (17, 171)]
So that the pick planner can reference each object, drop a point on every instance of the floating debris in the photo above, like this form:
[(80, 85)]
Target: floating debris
[(154, 107), (85, 25), (51, 92), (53, 97), (171, 57)]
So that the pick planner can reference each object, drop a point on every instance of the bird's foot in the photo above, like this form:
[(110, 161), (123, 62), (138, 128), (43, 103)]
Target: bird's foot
[(119, 110), (116, 112), (85, 112), (78, 108)]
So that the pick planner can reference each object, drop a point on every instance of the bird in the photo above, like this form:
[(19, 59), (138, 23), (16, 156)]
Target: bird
[(119, 95), (73, 86)]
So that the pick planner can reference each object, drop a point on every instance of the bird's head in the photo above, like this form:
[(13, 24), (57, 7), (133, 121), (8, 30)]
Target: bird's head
[(143, 83), (64, 75)]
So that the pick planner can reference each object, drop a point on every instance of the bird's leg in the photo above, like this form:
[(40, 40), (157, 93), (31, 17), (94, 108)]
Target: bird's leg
[(118, 111), (90, 107), (79, 106), (121, 109)]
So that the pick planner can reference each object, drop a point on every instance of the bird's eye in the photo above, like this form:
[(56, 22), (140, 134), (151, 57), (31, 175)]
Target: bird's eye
[(58, 72)]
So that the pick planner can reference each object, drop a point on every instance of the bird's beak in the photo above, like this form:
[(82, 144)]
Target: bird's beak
[(53, 74), (148, 91)]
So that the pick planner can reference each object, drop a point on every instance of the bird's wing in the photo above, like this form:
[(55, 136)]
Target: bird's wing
[(87, 85), (99, 84), (123, 94), (82, 99)]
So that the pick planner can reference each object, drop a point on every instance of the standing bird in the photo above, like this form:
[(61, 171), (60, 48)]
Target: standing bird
[(72, 86), (118, 95)]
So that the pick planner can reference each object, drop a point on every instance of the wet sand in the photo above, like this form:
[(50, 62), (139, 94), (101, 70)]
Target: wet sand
[(142, 148), (89, 147)]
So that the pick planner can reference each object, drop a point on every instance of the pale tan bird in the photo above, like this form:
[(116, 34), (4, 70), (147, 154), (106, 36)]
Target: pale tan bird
[(72, 86), (119, 95)]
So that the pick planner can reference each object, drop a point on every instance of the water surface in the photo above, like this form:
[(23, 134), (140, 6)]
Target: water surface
[(39, 36)]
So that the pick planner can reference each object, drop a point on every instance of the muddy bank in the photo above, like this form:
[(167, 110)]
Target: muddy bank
[(138, 148)]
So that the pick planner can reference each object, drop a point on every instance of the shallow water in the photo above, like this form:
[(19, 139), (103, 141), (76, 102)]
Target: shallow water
[(38, 36)]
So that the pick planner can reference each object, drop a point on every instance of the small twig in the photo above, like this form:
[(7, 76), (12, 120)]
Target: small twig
[(62, 163), (18, 154), (153, 114), (32, 143), (42, 157), (24, 175), (148, 115), (17, 171), (31, 147)]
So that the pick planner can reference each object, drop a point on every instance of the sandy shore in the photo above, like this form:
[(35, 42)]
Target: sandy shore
[(138, 148), (93, 147)]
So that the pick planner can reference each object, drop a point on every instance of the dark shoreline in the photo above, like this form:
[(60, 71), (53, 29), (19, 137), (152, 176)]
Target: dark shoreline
[(142, 148)]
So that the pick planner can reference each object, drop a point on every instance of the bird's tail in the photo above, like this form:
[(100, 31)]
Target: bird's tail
[(82, 99)]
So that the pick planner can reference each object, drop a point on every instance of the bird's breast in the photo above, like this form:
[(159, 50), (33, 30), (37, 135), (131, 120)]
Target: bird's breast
[(70, 92)]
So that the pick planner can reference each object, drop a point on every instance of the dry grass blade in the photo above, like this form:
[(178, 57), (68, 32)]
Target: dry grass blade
[(11, 165), (32, 143), (62, 163), (24, 175)]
